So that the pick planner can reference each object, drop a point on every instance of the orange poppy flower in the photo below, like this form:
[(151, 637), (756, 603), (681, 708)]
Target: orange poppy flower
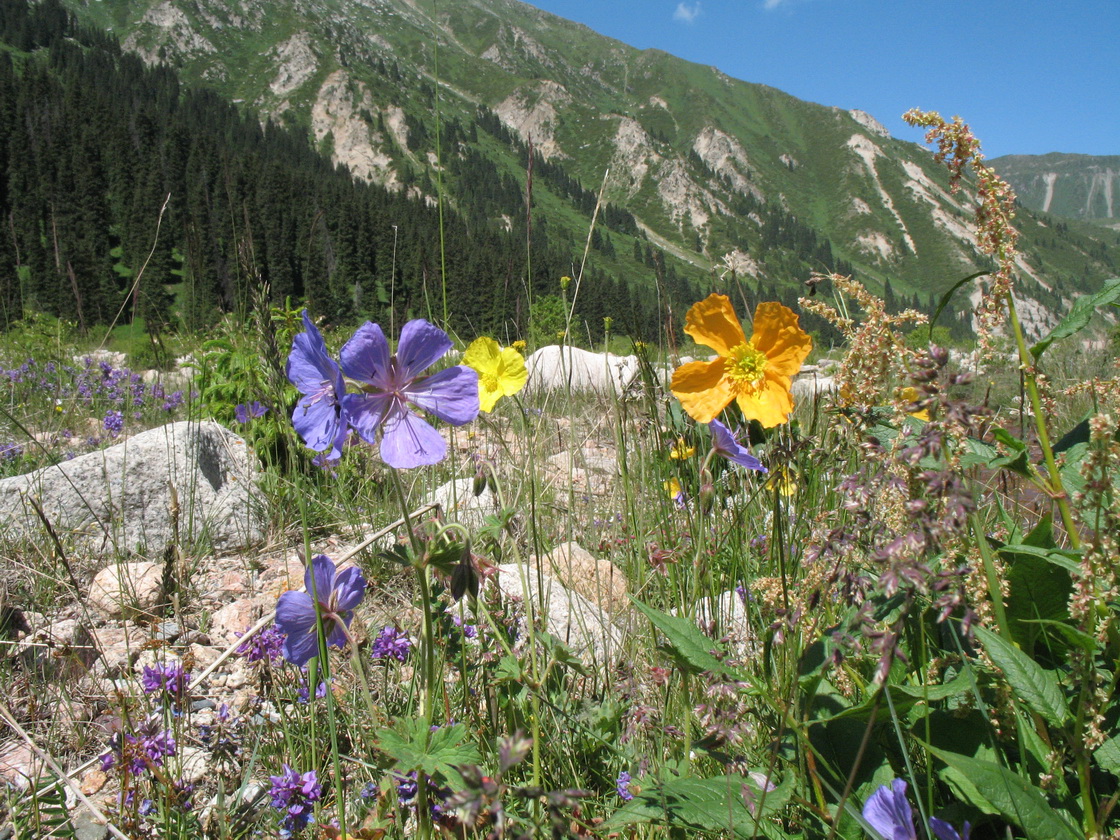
[(755, 373)]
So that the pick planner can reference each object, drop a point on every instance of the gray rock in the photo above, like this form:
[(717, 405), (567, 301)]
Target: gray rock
[(577, 622), (121, 497), (460, 504), (86, 826), (555, 368)]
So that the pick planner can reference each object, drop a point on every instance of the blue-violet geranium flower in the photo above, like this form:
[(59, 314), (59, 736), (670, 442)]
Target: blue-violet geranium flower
[(319, 417), (392, 385), (338, 593), (724, 443)]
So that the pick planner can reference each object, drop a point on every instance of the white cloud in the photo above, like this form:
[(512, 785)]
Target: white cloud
[(687, 13), (773, 4)]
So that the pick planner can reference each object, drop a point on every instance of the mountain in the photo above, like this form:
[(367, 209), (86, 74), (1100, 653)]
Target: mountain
[(1075, 186), (445, 98)]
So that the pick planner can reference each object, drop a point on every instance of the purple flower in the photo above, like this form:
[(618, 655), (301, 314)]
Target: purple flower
[(337, 593), (888, 812), (293, 794), (623, 786), (244, 413), (168, 677), (391, 643), (943, 831), (319, 417), (393, 384), (724, 443), (113, 423), (268, 644)]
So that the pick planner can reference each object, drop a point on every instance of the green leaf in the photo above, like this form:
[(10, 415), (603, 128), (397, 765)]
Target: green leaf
[(945, 298), (1062, 558), (690, 648), (1033, 684), (1107, 755), (1014, 798), (1039, 586), (1017, 459), (1079, 314), (436, 753), (716, 804), (1073, 636)]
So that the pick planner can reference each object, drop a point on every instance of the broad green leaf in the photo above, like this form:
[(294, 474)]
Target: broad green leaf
[(1016, 460), (1014, 798), (965, 790), (960, 684), (716, 804), (1033, 684), (1107, 755), (1070, 470), (1063, 558), (1079, 314), (1073, 636), (690, 648), (1039, 585)]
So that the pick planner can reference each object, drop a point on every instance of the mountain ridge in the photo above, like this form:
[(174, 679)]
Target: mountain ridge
[(698, 158)]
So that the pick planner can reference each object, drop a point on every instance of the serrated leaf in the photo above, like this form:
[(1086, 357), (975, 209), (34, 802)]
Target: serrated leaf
[(1033, 684), (715, 804), (690, 648), (1015, 799), (1079, 315), (436, 753)]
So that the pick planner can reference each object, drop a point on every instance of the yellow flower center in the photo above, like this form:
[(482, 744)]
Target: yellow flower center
[(489, 381), (745, 364)]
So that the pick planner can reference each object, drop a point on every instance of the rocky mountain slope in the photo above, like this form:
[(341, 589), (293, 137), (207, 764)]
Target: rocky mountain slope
[(716, 171), (1077, 186)]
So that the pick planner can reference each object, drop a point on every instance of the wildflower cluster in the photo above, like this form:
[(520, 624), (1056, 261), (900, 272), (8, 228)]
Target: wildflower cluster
[(293, 795)]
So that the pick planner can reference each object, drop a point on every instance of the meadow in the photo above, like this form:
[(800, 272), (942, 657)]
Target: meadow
[(883, 608)]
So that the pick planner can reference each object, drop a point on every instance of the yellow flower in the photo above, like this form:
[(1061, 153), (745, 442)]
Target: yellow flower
[(681, 450), (673, 489), (501, 371), (755, 373), (910, 394), (519, 346), (784, 480)]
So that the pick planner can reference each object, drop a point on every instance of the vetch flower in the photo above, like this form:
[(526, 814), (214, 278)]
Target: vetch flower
[(501, 371), (393, 384), (724, 443), (391, 643), (338, 593), (888, 812), (753, 372), (319, 417), (293, 795)]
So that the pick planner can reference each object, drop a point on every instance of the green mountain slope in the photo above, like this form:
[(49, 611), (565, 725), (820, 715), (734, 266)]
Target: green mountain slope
[(1076, 186), (716, 171)]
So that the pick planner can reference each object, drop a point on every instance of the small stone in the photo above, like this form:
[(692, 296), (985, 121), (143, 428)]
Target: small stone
[(93, 781), (235, 617), (19, 765), (126, 589), (167, 631), (202, 705), (86, 826)]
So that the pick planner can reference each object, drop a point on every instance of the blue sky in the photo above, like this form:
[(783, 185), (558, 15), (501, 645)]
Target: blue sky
[(1030, 76)]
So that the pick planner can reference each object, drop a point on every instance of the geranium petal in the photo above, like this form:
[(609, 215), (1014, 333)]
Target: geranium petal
[(309, 364), (318, 422), (365, 356), (408, 441), (725, 444), (365, 412), (321, 572), (337, 637), (778, 334), (350, 586), (889, 813), (770, 403), (713, 323), (451, 395), (702, 389), (420, 346), (295, 615)]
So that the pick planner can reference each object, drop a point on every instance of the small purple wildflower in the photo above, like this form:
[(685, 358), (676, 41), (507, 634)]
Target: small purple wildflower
[(320, 417), (391, 643), (267, 644), (470, 631), (244, 413), (166, 677), (337, 593), (943, 831), (113, 423), (623, 786), (293, 795)]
